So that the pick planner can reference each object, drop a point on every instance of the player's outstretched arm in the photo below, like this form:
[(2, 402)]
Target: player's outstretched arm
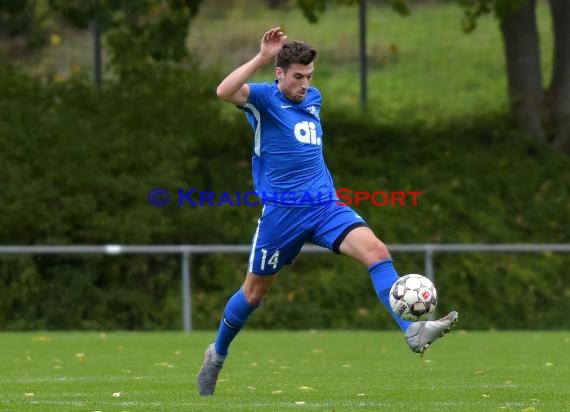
[(234, 88)]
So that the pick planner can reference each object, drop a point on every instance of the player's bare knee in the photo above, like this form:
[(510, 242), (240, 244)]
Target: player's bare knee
[(255, 298), (378, 250), (255, 292)]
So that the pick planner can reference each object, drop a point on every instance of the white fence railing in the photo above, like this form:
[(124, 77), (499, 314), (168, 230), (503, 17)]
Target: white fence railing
[(186, 251)]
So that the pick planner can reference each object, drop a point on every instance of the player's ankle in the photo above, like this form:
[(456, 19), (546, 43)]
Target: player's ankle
[(217, 357)]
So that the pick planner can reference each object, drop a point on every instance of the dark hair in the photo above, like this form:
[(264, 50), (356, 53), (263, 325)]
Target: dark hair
[(295, 52)]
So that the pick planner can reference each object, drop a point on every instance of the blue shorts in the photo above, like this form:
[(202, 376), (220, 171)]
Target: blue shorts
[(282, 231)]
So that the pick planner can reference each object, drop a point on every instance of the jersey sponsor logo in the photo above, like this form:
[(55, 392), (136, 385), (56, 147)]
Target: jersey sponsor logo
[(285, 106), (306, 132)]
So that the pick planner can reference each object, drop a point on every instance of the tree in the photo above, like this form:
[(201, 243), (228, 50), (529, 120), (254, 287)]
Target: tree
[(542, 112), (137, 30)]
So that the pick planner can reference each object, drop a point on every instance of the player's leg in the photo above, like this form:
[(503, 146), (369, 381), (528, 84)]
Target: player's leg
[(345, 232), (238, 309), (276, 242), (363, 245)]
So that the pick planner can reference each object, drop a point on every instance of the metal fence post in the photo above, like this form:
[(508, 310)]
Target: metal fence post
[(428, 264), (97, 53), (186, 295), (363, 56), (428, 272)]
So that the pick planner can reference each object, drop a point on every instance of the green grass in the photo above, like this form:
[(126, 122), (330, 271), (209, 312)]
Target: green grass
[(420, 67), (276, 371)]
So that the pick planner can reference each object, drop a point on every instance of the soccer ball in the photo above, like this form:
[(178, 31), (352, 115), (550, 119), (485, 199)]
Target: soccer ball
[(413, 297)]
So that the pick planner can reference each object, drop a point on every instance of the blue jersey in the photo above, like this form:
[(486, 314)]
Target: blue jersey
[(288, 165)]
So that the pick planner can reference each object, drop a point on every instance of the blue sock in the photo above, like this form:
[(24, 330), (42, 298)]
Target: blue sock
[(236, 313), (383, 277)]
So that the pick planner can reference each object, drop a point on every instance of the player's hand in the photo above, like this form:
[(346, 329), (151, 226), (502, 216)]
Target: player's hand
[(272, 42)]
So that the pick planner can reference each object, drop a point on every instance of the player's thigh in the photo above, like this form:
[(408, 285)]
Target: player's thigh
[(277, 240), (363, 245)]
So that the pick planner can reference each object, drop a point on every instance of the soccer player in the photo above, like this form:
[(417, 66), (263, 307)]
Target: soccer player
[(300, 199)]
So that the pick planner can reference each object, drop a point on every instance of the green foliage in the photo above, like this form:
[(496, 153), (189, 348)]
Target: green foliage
[(474, 9), (79, 163), (137, 31), (313, 8), (78, 166), (22, 19)]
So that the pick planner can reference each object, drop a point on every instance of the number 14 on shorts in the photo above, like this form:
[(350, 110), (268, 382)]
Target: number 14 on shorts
[(273, 260)]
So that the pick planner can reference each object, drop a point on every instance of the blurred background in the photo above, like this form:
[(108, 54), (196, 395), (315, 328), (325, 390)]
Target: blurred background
[(100, 102)]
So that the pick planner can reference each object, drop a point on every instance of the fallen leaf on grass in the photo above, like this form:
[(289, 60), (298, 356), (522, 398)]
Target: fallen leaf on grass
[(164, 364), (305, 388)]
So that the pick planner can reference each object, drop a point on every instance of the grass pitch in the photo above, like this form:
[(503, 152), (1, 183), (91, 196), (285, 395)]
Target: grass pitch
[(281, 371), (422, 66)]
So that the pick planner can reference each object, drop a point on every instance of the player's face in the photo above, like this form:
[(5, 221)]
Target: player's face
[(295, 81)]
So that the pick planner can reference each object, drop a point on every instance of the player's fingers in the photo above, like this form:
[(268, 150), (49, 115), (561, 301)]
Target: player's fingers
[(269, 34), (274, 34)]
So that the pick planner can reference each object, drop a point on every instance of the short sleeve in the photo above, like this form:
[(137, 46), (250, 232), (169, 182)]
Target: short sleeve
[(259, 93)]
